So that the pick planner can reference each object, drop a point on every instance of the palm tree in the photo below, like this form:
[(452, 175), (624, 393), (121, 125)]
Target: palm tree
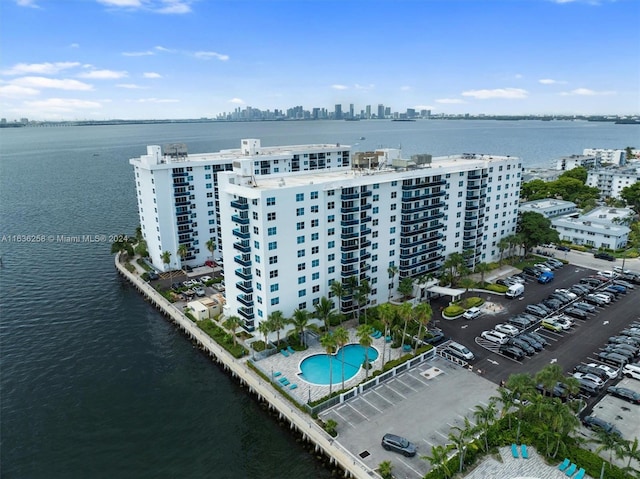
[(458, 437), (232, 323), (405, 288), (265, 328), (166, 259), (182, 252), (503, 244), (423, 313), (522, 386), (549, 377), (363, 334), (609, 442), (508, 400), (339, 291), (324, 309), (406, 313), (482, 268), (300, 322), (485, 416), (467, 283), (439, 459), (341, 337), (211, 246), (393, 271), (362, 298), (385, 468), (632, 451), (352, 288), (386, 314), (453, 263), (278, 322), (328, 343)]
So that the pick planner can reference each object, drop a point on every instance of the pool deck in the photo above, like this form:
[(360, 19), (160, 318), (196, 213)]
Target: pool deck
[(289, 367)]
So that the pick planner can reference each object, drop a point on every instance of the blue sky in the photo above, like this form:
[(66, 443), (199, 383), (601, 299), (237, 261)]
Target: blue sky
[(131, 59)]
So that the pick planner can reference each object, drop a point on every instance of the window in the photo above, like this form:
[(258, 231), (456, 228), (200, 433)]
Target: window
[(271, 201), (331, 231), (331, 270), (274, 287), (302, 266), (299, 211), (316, 289), (376, 197), (299, 196), (272, 231), (301, 253), (256, 244), (392, 241), (300, 239), (331, 218), (256, 230), (275, 301), (331, 244), (302, 292), (331, 205), (314, 223), (315, 263), (273, 274), (314, 195), (315, 250), (273, 245), (331, 257), (272, 259), (315, 276), (393, 206), (300, 225), (314, 209), (271, 216), (392, 218), (302, 279), (375, 210), (392, 230), (315, 236), (302, 306)]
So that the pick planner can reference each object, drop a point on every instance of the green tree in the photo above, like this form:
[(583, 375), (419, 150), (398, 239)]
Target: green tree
[(406, 313), (632, 451), (393, 271), (522, 387), (324, 310), (386, 313), (549, 376), (609, 442), (631, 194), (232, 323), (482, 269), (352, 288), (579, 173), (265, 328), (328, 343), (423, 314), (341, 338), (211, 246), (405, 288), (508, 400), (459, 437), (535, 229), (534, 190), (439, 460), (338, 290), (361, 296), (166, 259), (385, 468), (278, 322), (363, 333), (503, 245), (485, 417), (182, 252), (453, 264), (300, 322), (467, 283)]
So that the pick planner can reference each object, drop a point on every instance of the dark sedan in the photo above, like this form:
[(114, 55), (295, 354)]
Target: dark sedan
[(589, 308), (576, 313), (624, 393)]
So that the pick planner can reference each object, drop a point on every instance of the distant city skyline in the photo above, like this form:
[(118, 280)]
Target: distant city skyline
[(158, 59)]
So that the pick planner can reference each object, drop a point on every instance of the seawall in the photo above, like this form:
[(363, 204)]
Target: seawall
[(298, 421)]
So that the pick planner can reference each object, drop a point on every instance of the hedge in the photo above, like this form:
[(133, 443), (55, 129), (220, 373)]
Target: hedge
[(497, 288)]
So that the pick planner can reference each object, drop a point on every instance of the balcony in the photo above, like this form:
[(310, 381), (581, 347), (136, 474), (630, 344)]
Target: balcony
[(179, 175), (246, 299), (365, 231), (349, 209), (180, 194), (349, 196), (246, 313), (473, 195), (240, 205), (365, 194), (350, 247), (241, 234), (244, 274), (365, 255), (365, 243), (240, 220), (347, 236), (346, 223), (242, 261), (245, 286), (242, 246), (366, 219)]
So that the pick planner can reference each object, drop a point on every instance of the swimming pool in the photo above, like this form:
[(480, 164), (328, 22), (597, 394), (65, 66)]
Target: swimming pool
[(315, 369)]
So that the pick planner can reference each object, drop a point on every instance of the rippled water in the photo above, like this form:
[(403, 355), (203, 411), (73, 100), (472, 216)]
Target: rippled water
[(94, 382)]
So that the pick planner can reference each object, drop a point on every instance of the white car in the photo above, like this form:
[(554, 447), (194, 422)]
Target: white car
[(199, 292), (564, 321), (611, 372), (472, 313), (507, 329), (619, 269), (543, 267), (607, 274), (204, 279), (603, 297), (567, 292), (188, 283), (589, 377), (495, 337)]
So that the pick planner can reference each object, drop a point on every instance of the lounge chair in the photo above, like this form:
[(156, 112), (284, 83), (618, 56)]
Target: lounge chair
[(523, 451), (406, 348), (284, 353), (580, 474), (514, 451), (290, 349), (564, 464), (572, 468), (293, 386), (284, 381), (387, 339), (276, 374)]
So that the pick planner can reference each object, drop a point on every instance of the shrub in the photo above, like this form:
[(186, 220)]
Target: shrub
[(330, 427), (222, 337), (497, 288), (472, 302), (258, 346), (453, 310)]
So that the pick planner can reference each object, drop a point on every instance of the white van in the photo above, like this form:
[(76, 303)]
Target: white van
[(514, 291), (460, 351), (632, 371), (495, 337)]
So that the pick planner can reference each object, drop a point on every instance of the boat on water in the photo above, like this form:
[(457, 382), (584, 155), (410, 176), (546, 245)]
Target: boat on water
[(403, 119), (362, 138)]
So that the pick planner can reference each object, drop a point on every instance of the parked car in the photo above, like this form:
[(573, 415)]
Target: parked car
[(520, 322), (460, 351), (564, 321), (590, 377), (604, 297), (205, 279), (612, 358), (618, 349), (529, 271), (588, 388), (506, 329), (538, 338), (625, 347), (523, 345), (434, 337), (589, 308), (495, 337), (560, 296), (576, 313), (616, 289), (559, 391), (531, 341), (552, 303), (567, 293), (583, 368), (597, 300), (630, 340), (543, 267), (556, 262), (551, 324), (626, 284), (199, 292), (632, 371), (563, 248), (606, 256), (612, 373), (512, 352), (472, 313), (593, 422), (624, 393), (152, 275), (545, 277), (176, 286), (391, 442), (535, 310)]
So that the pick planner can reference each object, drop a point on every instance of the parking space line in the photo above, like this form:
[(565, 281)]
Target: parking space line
[(394, 390), (443, 435), (356, 410), (382, 397), (430, 443), (369, 403), (344, 419), (409, 466), (405, 384)]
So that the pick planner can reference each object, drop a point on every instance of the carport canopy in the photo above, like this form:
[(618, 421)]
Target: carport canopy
[(443, 291)]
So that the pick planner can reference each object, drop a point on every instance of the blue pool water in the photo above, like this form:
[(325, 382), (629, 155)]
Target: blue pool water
[(315, 369)]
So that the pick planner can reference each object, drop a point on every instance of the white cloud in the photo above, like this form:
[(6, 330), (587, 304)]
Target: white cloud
[(39, 68), (158, 6), (74, 45), (424, 107), (508, 93), (60, 84), (586, 92), (27, 3), (157, 100), (518, 76), (207, 55), (122, 3), (160, 48), (405, 88), (104, 74), (369, 87), (130, 86), (340, 87), (62, 104), (237, 101), (450, 101), (139, 54), (152, 75), (174, 6), (549, 81), (17, 91)]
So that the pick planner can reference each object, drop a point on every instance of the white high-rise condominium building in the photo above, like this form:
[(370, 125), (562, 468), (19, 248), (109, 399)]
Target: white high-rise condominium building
[(291, 220)]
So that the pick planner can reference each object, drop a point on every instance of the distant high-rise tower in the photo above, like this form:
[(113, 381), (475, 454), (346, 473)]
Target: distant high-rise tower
[(338, 112), (351, 113), (368, 114), (380, 111)]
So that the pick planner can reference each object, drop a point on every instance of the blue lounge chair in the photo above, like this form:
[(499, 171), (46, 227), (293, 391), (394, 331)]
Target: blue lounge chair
[(284, 353), (284, 381), (523, 451), (580, 474), (387, 339), (290, 349), (276, 374), (406, 348), (572, 468), (293, 386), (373, 333), (514, 451), (564, 464)]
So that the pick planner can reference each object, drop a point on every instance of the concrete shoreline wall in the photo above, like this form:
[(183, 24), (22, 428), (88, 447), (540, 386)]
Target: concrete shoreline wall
[(298, 421)]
